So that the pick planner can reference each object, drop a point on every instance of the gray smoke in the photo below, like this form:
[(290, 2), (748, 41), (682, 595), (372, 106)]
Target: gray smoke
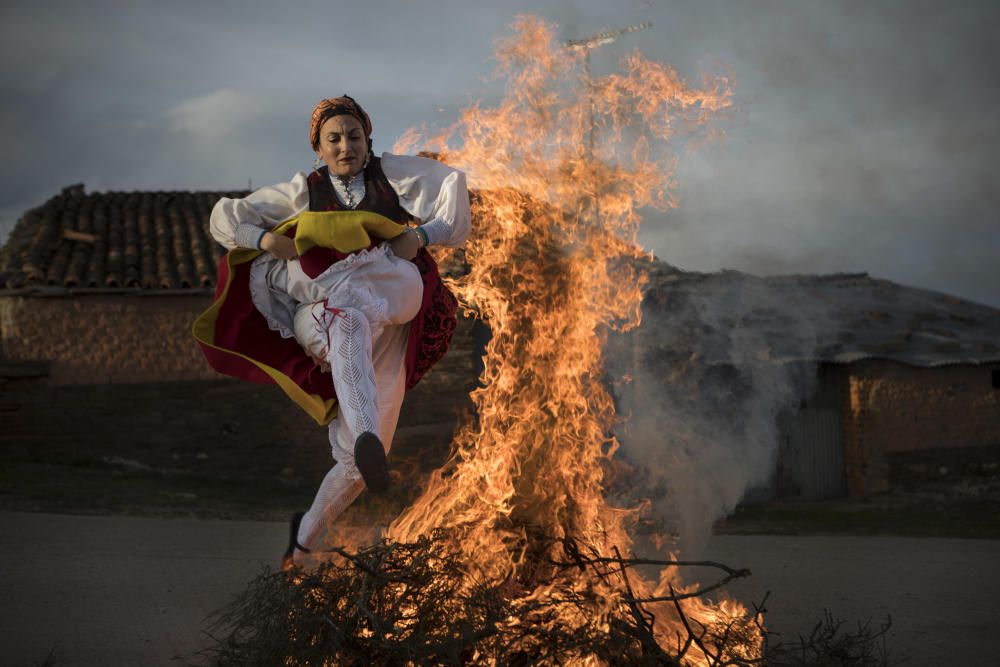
[(716, 360)]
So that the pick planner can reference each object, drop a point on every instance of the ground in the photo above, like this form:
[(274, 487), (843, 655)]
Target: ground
[(927, 498), (125, 590), (111, 562)]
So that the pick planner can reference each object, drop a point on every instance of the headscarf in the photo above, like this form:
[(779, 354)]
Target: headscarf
[(336, 106)]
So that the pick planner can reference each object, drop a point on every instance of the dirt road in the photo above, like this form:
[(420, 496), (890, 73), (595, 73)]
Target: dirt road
[(134, 591)]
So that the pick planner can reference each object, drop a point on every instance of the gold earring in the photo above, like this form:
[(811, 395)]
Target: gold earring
[(317, 162)]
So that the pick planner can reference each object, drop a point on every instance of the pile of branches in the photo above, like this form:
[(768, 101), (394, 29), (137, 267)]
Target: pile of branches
[(413, 604)]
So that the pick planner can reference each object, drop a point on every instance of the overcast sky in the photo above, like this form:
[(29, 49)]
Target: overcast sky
[(864, 139)]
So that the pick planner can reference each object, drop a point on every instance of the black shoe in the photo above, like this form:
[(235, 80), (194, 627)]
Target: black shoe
[(287, 561), (369, 457)]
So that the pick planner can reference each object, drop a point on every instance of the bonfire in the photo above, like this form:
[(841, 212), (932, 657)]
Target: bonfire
[(511, 554)]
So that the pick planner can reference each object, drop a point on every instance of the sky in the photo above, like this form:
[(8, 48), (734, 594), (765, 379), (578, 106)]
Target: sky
[(863, 138)]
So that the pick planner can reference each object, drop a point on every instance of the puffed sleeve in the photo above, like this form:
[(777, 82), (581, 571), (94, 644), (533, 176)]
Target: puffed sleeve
[(239, 223), (434, 193)]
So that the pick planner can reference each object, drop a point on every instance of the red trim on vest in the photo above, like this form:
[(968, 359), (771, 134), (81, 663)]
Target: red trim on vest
[(379, 198)]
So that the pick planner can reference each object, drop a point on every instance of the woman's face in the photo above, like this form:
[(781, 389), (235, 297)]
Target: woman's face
[(342, 145)]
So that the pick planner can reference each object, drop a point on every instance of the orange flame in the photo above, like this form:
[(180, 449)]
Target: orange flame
[(562, 166)]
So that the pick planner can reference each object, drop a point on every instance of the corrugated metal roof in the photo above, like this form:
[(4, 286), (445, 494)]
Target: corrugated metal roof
[(839, 318)]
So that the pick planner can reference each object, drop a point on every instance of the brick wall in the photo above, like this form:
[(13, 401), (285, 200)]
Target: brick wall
[(894, 408), (865, 462)]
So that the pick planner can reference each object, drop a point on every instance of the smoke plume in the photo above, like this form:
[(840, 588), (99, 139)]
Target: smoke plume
[(717, 359)]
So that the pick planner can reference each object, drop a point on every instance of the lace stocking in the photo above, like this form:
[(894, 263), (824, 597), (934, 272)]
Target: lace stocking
[(349, 353)]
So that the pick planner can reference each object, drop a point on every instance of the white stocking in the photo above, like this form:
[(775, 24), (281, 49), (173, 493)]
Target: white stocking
[(335, 494), (358, 365), (349, 353), (350, 357)]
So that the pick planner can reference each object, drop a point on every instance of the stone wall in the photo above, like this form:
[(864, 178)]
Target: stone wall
[(106, 339)]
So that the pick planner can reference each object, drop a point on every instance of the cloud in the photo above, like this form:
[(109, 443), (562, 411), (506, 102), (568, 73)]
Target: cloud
[(863, 138), (213, 117)]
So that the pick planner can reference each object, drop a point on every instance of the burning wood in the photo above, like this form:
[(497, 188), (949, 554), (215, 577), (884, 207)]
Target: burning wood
[(415, 604)]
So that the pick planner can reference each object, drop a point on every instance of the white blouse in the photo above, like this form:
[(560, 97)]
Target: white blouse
[(429, 190)]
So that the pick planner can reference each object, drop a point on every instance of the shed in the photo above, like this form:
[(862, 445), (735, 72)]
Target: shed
[(862, 369)]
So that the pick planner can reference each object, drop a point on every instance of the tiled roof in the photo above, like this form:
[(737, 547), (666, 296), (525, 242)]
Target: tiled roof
[(155, 241), (107, 240)]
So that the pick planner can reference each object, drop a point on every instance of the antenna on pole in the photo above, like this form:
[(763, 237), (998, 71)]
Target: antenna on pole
[(588, 44), (585, 46), (603, 37)]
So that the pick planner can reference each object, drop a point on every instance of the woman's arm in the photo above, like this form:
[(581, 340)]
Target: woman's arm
[(244, 223), (434, 193)]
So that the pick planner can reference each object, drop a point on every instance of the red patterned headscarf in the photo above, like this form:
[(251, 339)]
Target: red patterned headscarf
[(336, 106)]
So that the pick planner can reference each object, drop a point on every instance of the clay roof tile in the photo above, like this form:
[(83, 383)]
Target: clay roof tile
[(153, 240)]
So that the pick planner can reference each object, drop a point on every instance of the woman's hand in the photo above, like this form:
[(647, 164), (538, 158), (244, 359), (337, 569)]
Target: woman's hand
[(405, 245), (280, 246)]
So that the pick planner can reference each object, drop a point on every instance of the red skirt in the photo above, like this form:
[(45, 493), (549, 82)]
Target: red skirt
[(236, 340)]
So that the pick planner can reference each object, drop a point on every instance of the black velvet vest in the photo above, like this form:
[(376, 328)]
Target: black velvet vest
[(379, 198)]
